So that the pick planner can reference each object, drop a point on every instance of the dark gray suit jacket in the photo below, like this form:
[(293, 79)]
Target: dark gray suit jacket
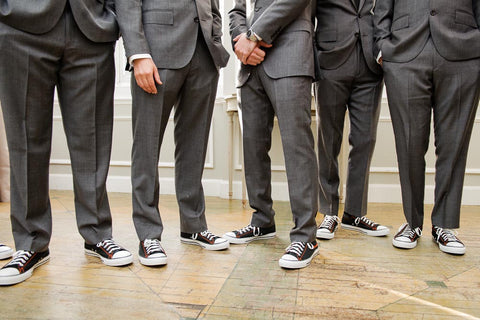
[(340, 24), (287, 25), (402, 28), (95, 18), (168, 32)]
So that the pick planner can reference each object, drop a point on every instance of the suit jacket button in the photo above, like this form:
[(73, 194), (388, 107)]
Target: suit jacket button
[(196, 20), (433, 12)]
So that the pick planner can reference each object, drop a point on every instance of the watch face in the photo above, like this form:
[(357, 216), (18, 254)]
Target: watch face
[(251, 36)]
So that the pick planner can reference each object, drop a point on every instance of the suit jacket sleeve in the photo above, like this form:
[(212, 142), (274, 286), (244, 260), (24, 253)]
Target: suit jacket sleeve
[(276, 17), (110, 5), (129, 14), (238, 19), (476, 11), (217, 21), (382, 21)]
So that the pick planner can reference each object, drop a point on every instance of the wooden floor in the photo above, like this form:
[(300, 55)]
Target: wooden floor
[(354, 277)]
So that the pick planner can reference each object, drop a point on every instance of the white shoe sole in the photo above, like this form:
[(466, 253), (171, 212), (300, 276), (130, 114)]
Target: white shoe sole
[(250, 239), (451, 250), (404, 245), (10, 280), (119, 262), (151, 262), (6, 254), (214, 247), (377, 233), (292, 264), (325, 235)]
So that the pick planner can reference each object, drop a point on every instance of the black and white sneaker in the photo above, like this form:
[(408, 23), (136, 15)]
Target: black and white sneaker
[(447, 241), (298, 255), (111, 253), (363, 225), (406, 237), (21, 267), (151, 253), (205, 239), (327, 228), (5, 252), (250, 233)]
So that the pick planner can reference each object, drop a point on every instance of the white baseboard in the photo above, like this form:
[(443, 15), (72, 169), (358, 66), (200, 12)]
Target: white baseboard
[(211, 187), (385, 193), (389, 193)]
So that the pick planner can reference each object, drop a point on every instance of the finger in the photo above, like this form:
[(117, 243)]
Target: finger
[(156, 75), (264, 44), (258, 55), (259, 52), (142, 81)]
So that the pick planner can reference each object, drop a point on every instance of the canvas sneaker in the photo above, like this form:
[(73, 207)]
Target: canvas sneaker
[(250, 233), (447, 240), (110, 253), (5, 252), (21, 267), (151, 253), (298, 255), (205, 239), (406, 237), (363, 225), (327, 228)]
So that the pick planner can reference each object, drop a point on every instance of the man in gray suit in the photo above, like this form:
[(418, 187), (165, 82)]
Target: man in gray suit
[(67, 45), (348, 78), (431, 59), (175, 50), (273, 41)]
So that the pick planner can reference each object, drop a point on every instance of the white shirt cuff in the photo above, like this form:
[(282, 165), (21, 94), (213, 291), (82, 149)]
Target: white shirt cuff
[(138, 56)]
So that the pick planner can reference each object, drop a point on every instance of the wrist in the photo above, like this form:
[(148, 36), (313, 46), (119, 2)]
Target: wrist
[(252, 36)]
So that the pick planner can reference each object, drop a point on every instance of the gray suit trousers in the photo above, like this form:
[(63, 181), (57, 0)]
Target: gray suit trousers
[(451, 90), (31, 66), (353, 87), (192, 91), (289, 99)]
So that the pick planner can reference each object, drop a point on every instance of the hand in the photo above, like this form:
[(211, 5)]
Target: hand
[(380, 61), (256, 57), (249, 52), (244, 47), (146, 74)]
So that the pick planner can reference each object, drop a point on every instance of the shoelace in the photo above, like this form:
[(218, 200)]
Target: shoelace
[(109, 246), (328, 222), (409, 232), (446, 235), (207, 234), (296, 247), (364, 220), (256, 230), (20, 258), (152, 245)]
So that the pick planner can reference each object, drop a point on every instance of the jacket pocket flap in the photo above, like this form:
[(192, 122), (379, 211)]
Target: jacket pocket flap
[(158, 17), (400, 23), (465, 18)]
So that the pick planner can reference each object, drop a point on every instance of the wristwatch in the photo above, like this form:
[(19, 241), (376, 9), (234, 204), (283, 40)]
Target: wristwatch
[(251, 35)]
